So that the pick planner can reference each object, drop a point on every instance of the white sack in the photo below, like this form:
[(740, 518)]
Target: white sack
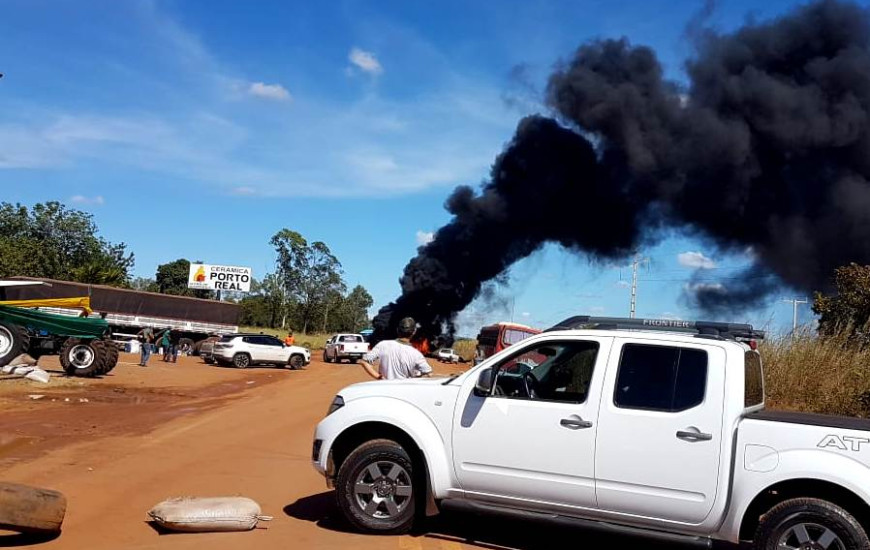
[(194, 514)]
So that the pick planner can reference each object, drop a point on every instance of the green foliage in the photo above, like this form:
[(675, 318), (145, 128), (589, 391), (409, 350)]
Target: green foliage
[(55, 242), (172, 279), (848, 311), (310, 275)]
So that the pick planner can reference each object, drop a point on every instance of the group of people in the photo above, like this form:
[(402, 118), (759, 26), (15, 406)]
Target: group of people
[(167, 339), (396, 358)]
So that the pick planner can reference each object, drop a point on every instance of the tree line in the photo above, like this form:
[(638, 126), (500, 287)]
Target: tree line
[(306, 292)]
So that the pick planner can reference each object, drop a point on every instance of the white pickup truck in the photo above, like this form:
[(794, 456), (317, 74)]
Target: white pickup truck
[(650, 427), (345, 346)]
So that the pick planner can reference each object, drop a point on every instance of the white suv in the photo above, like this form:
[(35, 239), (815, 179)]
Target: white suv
[(242, 350)]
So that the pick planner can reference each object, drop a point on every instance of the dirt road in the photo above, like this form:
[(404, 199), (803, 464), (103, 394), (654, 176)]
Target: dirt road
[(147, 434)]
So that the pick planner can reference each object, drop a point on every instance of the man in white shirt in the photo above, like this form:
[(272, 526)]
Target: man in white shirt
[(398, 358)]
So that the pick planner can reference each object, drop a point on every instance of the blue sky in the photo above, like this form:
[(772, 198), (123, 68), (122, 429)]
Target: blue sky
[(199, 129)]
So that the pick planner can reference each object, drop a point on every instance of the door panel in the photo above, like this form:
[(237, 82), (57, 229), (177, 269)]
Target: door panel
[(542, 447), (660, 431)]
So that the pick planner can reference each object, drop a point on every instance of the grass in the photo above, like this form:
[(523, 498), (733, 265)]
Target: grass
[(812, 374), (465, 348), (310, 341)]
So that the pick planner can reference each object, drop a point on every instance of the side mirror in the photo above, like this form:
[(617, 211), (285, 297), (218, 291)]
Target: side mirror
[(483, 387)]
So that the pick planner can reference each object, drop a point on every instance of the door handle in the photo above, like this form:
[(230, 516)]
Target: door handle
[(694, 435), (575, 423)]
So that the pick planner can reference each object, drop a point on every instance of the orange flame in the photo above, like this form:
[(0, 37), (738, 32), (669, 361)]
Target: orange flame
[(421, 345)]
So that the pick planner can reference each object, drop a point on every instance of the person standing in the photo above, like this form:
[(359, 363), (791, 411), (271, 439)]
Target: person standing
[(166, 345), (397, 358), (145, 337), (174, 342)]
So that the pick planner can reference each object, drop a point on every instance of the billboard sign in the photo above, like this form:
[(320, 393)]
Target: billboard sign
[(219, 277)]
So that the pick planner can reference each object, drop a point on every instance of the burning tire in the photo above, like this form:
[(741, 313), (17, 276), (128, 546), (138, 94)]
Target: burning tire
[(14, 341), (83, 357)]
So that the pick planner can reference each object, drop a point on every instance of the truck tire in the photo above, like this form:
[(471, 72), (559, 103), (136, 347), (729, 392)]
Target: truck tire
[(809, 523), (326, 358), (32, 510), (296, 361), (111, 356), (189, 342), (241, 360), (375, 488), (14, 340), (83, 357)]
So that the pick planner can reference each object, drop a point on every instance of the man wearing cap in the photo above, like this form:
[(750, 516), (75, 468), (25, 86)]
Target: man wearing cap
[(398, 358)]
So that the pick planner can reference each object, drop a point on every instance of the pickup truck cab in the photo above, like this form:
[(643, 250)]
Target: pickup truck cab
[(646, 426), (345, 346)]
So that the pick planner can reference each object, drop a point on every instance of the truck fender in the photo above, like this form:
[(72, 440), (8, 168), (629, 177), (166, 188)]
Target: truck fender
[(799, 464), (399, 414)]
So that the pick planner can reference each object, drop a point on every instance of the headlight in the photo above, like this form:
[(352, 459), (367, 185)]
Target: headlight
[(337, 403)]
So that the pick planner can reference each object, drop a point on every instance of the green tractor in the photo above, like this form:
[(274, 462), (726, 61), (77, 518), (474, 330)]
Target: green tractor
[(84, 344)]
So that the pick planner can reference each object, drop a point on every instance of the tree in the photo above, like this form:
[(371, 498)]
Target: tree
[(146, 284), (55, 242), (172, 279), (848, 311), (353, 311), (309, 273)]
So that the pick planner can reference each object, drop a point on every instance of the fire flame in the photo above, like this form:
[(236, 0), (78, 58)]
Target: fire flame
[(422, 345)]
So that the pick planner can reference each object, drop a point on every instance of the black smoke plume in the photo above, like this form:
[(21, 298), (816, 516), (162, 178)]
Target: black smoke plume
[(767, 147)]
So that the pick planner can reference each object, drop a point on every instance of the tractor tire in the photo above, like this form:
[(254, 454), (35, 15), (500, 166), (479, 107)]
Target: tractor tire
[(31, 510), (14, 340), (111, 356), (83, 358)]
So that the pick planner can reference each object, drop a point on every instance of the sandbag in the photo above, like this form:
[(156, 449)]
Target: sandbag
[(27, 509), (197, 514)]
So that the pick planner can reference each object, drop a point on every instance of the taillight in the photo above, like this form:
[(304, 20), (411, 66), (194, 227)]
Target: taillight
[(753, 345), (341, 347)]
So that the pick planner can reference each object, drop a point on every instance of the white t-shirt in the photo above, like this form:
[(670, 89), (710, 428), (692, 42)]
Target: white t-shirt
[(398, 360)]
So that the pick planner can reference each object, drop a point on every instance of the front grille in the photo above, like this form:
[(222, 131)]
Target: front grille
[(315, 452)]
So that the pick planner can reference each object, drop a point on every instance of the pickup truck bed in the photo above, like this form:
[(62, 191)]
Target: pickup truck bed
[(812, 419)]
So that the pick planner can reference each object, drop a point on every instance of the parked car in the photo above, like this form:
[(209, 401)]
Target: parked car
[(650, 427), (243, 350), (447, 355), (345, 346)]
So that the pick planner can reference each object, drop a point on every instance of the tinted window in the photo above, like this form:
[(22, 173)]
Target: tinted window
[(753, 385), (351, 339), (512, 336), (272, 341), (660, 378), (552, 371)]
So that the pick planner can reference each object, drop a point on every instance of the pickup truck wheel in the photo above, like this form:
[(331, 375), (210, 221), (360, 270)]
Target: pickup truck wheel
[(241, 360), (809, 524), (375, 488)]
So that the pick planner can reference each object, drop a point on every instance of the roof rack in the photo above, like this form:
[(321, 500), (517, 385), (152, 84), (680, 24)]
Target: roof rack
[(708, 329)]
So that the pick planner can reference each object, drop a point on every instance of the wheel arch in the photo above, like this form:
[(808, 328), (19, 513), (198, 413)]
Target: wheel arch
[(806, 488)]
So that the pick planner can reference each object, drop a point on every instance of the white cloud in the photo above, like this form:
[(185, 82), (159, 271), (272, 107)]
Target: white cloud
[(671, 316), (526, 314), (365, 61), (425, 237), (244, 190), (81, 199), (695, 260), (269, 91), (623, 284), (598, 310)]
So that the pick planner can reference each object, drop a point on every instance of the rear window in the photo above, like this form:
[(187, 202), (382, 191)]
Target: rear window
[(753, 391), (661, 378), (350, 339)]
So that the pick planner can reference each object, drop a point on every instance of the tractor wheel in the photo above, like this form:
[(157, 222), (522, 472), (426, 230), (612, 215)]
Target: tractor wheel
[(14, 340), (111, 356), (83, 357)]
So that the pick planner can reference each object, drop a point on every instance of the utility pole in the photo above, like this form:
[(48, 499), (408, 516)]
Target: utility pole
[(795, 302), (634, 264)]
